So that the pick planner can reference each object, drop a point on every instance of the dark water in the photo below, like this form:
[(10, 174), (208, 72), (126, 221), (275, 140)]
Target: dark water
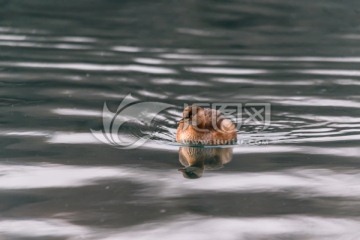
[(61, 60)]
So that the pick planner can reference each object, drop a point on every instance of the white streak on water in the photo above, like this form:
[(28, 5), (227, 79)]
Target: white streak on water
[(331, 72), (280, 227), (42, 228), (77, 112), (199, 227), (226, 71), (181, 82), (298, 182), (91, 67), (262, 58), (127, 49), (43, 45)]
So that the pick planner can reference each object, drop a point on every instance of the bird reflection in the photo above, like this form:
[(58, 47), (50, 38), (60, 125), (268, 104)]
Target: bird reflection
[(196, 160)]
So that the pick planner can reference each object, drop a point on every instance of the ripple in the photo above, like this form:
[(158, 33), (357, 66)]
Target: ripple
[(268, 82), (155, 61), (149, 61), (77, 112), (347, 82), (12, 37), (74, 138), (226, 71), (153, 70), (181, 82), (23, 30), (91, 67), (268, 149), (63, 61), (272, 146), (51, 175), (313, 101), (195, 32), (331, 72), (263, 58), (301, 183), (127, 49), (75, 39), (200, 227), (193, 98), (151, 94), (30, 133), (303, 134), (317, 130), (281, 227), (48, 227), (327, 138), (43, 45), (299, 59), (187, 56), (351, 36), (328, 118), (81, 39)]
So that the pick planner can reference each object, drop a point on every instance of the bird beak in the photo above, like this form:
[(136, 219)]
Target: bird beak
[(181, 120), (181, 169)]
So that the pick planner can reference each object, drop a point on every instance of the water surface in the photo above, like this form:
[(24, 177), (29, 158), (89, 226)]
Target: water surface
[(59, 63)]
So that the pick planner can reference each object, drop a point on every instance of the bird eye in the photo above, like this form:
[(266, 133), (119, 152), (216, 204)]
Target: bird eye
[(188, 114)]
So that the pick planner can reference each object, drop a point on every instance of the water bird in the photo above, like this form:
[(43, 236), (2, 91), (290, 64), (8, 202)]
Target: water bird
[(205, 126)]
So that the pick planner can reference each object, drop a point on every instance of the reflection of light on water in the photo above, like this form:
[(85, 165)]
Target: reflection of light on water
[(25, 133), (149, 61), (90, 67), (74, 138), (12, 37), (305, 101), (260, 82), (332, 119), (166, 144), (192, 98), (298, 182), (198, 227), (261, 58), (147, 93), (77, 112), (166, 81), (127, 49), (331, 72), (226, 71), (327, 138), (244, 228), (42, 45), (270, 140), (158, 184), (265, 82), (49, 175), (195, 32), (75, 39), (41, 228)]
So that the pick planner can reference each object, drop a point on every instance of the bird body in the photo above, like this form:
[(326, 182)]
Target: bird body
[(205, 126)]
